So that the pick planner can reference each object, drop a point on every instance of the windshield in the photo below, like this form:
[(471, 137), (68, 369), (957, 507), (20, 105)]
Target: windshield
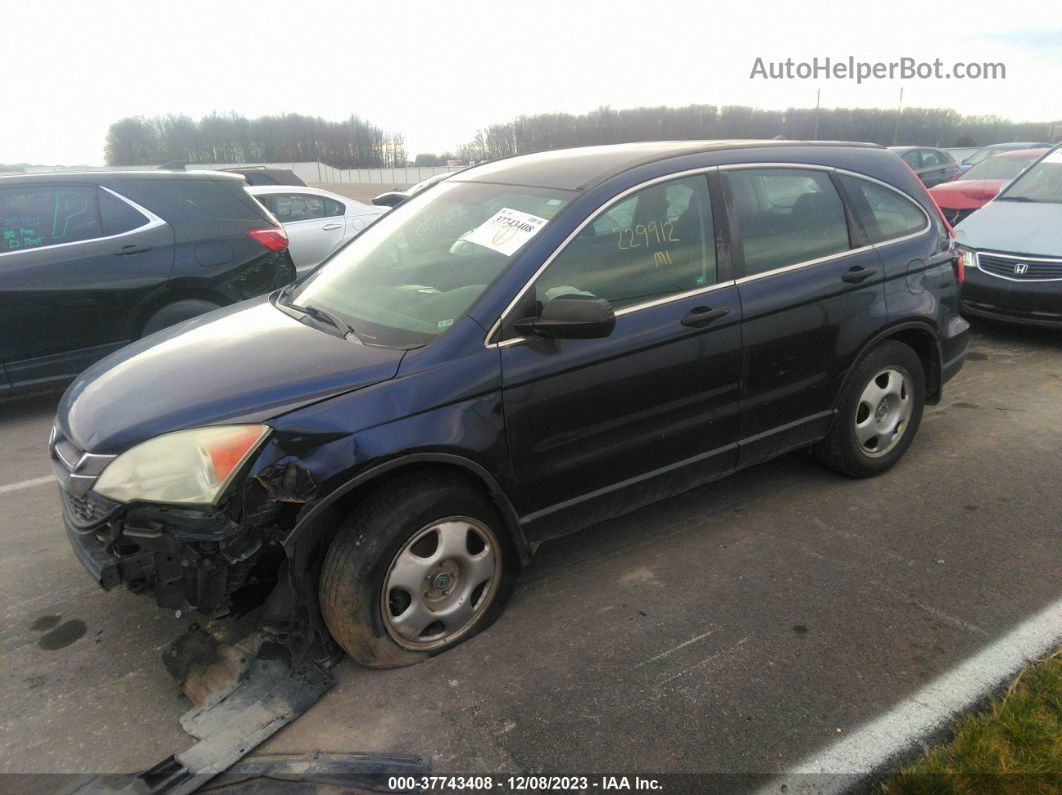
[(410, 275), (1041, 183), (1000, 167)]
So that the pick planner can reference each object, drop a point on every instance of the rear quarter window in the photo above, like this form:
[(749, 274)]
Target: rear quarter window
[(117, 216), (885, 213)]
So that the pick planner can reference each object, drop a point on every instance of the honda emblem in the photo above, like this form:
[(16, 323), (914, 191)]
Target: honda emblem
[(1020, 268)]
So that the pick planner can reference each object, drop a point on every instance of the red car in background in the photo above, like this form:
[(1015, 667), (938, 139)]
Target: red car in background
[(978, 186)]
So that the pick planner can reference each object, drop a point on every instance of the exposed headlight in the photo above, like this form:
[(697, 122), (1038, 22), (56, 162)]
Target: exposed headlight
[(193, 466)]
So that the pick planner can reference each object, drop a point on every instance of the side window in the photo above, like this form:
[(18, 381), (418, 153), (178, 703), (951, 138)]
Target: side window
[(657, 242), (885, 214), (913, 159), (333, 208), (281, 207), (116, 216), (786, 216), (46, 216), (931, 159), (304, 207), (191, 201)]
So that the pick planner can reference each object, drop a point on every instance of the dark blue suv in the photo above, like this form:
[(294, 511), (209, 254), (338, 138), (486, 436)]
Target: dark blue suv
[(534, 345)]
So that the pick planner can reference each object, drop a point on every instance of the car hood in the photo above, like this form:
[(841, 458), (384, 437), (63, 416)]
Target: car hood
[(1015, 227), (966, 193), (247, 363)]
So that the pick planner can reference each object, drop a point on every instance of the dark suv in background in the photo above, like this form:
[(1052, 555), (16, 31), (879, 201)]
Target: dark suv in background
[(89, 262)]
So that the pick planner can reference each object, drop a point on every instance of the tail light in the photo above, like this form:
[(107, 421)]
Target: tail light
[(272, 238), (958, 255), (963, 259)]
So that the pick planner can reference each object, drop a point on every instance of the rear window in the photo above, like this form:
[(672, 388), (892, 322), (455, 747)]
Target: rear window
[(32, 217), (886, 215)]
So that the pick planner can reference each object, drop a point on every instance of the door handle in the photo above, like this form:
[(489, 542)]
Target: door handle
[(702, 315), (330, 227), (132, 248), (858, 274)]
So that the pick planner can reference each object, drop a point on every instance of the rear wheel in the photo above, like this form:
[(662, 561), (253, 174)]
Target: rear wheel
[(177, 312), (421, 565), (879, 411)]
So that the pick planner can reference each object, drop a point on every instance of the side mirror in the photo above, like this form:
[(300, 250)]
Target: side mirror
[(571, 319), (390, 199)]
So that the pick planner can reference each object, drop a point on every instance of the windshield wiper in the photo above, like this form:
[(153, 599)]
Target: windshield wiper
[(1017, 199), (321, 315)]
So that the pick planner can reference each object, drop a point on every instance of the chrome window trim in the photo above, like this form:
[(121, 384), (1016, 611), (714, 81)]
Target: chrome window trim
[(846, 252), (496, 325), (805, 264), (902, 194), (152, 222), (1016, 258)]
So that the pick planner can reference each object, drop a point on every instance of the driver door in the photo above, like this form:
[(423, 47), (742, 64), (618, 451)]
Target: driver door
[(599, 426)]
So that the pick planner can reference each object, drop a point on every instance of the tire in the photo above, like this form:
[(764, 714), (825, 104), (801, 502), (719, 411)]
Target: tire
[(879, 411), (435, 532), (176, 312)]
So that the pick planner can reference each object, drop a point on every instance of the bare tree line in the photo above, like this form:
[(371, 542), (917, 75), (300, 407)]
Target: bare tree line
[(231, 138), (915, 126), (356, 143)]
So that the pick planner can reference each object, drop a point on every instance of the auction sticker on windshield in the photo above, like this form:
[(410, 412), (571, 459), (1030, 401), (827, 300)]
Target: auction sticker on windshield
[(505, 231)]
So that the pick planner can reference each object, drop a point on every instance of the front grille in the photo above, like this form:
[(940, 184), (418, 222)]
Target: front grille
[(89, 510), (1017, 268), (76, 469)]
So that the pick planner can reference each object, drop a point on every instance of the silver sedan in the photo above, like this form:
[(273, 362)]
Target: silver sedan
[(317, 221)]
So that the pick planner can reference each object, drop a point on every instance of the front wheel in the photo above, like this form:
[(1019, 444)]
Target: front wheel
[(878, 413), (422, 565)]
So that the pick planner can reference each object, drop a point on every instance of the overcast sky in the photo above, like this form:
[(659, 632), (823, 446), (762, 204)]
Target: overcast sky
[(438, 71)]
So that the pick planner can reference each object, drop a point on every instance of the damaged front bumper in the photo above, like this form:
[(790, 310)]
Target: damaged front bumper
[(189, 559)]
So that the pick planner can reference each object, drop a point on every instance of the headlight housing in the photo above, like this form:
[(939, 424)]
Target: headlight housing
[(193, 466)]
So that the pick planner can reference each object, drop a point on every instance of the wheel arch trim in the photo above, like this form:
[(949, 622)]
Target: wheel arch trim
[(294, 543), (933, 375)]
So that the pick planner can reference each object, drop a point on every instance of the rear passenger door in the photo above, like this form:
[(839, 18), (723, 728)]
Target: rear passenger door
[(811, 293), (74, 261)]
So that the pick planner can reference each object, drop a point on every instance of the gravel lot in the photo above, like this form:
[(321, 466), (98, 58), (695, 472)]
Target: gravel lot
[(736, 628)]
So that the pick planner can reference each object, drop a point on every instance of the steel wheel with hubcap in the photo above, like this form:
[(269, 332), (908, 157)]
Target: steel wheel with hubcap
[(884, 409), (878, 412), (421, 564), (440, 582)]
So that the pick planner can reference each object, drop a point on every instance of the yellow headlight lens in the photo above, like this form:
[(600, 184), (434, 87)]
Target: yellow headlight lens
[(193, 466)]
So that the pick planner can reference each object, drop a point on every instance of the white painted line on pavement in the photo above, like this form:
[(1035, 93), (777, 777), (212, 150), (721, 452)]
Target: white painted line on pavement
[(866, 750), (25, 484)]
